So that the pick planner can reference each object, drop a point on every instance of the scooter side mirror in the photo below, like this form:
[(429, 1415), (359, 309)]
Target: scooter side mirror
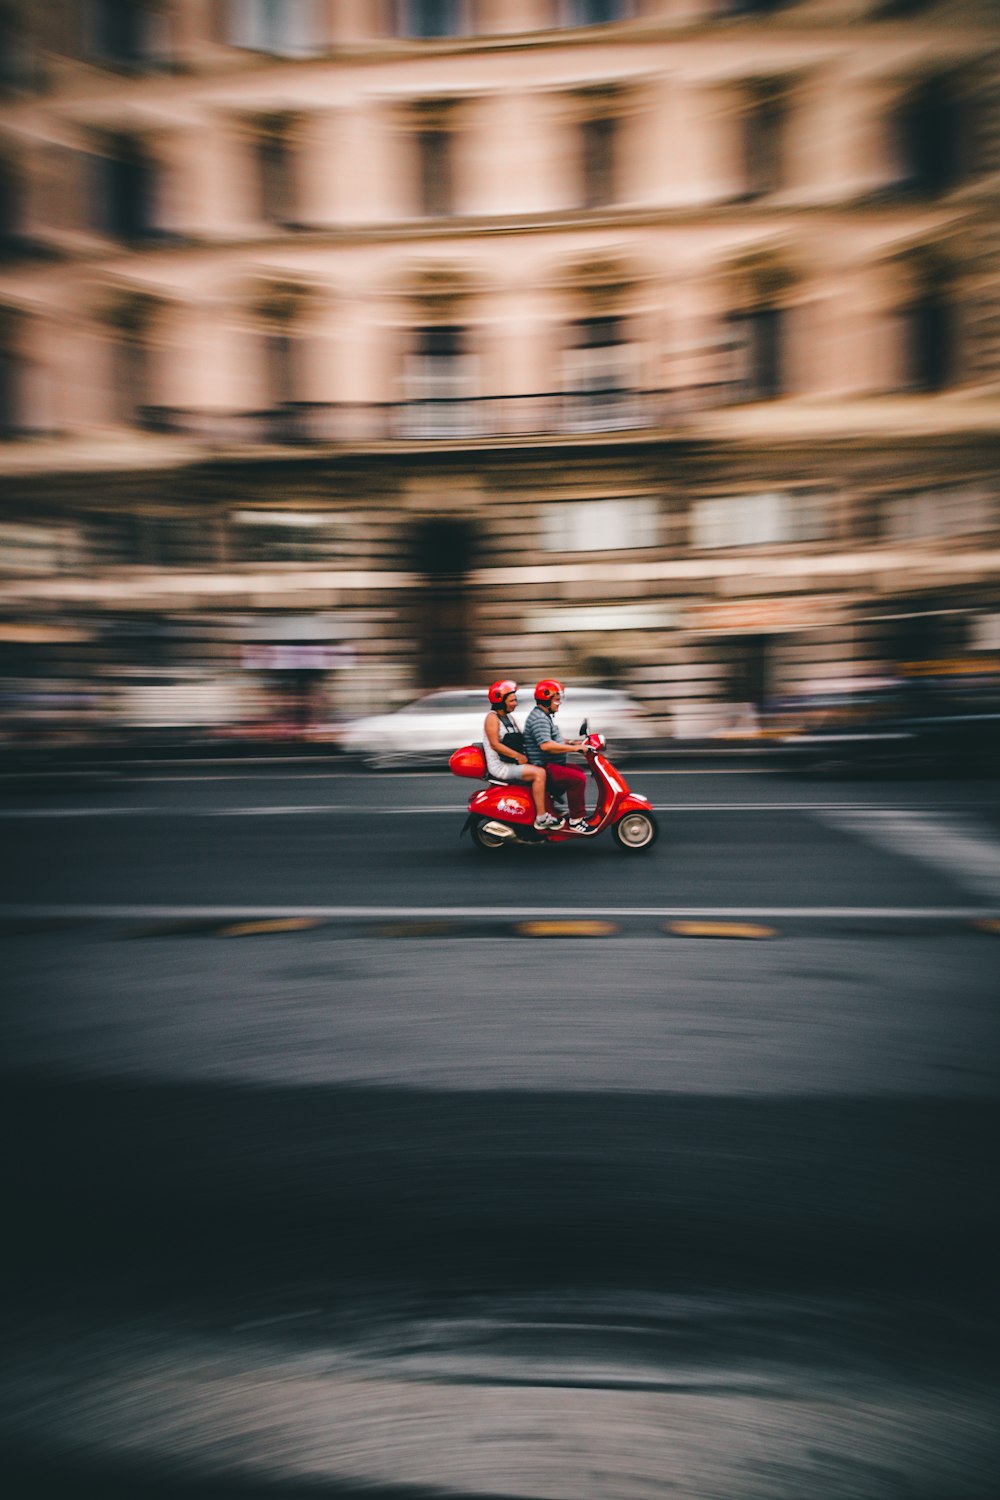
[(583, 727)]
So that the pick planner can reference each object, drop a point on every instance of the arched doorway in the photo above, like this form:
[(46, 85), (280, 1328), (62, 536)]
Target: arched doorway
[(443, 548)]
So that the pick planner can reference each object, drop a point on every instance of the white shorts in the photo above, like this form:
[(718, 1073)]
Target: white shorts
[(509, 772)]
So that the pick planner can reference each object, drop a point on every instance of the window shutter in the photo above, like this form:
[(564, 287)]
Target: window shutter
[(159, 38), (37, 414), (57, 27), (429, 18), (985, 131), (242, 24), (9, 392), (91, 14), (734, 362), (61, 182), (99, 194), (979, 336), (301, 28), (219, 19), (164, 191)]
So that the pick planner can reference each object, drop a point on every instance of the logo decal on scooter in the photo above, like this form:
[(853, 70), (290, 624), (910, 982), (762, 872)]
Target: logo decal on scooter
[(509, 805)]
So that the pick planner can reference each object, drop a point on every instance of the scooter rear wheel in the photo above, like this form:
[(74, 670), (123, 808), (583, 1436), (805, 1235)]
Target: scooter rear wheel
[(484, 838), (636, 830)]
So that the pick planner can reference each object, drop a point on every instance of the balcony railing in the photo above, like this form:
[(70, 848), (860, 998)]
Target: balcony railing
[(463, 419)]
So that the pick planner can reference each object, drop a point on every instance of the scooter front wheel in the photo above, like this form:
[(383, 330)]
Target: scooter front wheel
[(636, 830)]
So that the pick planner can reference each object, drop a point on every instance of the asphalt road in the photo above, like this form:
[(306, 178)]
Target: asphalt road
[(391, 843), (338, 1163)]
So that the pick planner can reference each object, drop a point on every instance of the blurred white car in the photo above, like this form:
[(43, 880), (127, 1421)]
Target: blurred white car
[(430, 728)]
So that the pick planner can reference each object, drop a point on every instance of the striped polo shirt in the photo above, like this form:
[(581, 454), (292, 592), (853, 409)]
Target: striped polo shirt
[(538, 727)]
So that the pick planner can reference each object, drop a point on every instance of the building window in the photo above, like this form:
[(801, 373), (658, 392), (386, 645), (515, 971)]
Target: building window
[(274, 160), (893, 9), (928, 329), (10, 392), (113, 540), (426, 19), (132, 378), (437, 371), (598, 376), (756, 340), (167, 540), (612, 525), (283, 28), (125, 202), (126, 33), (763, 125), (27, 548), (752, 7), (26, 408), (599, 161), (595, 12), (436, 177), (280, 366), (439, 383), (18, 68), (760, 520), (939, 513), (927, 133), (12, 238), (285, 536), (984, 130)]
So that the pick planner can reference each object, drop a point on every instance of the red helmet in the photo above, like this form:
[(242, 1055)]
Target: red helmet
[(501, 690), (546, 690)]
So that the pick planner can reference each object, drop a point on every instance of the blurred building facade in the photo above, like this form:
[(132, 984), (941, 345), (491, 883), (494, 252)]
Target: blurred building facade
[(410, 342)]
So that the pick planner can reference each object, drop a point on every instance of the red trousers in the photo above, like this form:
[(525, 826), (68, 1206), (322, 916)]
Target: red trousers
[(573, 782)]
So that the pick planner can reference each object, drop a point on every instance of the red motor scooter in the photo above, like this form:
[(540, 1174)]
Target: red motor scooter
[(503, 813)]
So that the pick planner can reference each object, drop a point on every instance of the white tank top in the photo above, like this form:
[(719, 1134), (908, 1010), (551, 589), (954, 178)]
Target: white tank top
[(499, 765)]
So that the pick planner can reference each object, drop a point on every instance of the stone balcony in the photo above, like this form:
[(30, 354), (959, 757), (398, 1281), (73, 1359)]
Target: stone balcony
[(462, 420)]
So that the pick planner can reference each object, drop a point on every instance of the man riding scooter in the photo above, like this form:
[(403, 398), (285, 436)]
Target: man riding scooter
[(544, 746)]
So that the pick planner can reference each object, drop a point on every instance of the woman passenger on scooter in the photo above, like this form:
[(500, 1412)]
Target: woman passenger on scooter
[(503, 744)]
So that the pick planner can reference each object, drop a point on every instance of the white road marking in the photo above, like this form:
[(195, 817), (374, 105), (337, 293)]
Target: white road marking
[(369, 776), (152, 912), (169, 812), (966, 856), (455, 809)]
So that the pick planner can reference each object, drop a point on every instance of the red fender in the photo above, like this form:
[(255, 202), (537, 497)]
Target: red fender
[(510, 804), (631, 803)]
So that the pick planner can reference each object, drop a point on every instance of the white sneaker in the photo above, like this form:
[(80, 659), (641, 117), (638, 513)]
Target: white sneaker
[(545, 822), (579, 825)]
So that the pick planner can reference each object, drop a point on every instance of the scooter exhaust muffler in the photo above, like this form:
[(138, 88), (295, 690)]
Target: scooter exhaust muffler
[(499, 830)]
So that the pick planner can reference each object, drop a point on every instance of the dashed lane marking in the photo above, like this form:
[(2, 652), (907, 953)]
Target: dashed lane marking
[(720, 930), (260, 928), (556, 928), (465, 924)]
